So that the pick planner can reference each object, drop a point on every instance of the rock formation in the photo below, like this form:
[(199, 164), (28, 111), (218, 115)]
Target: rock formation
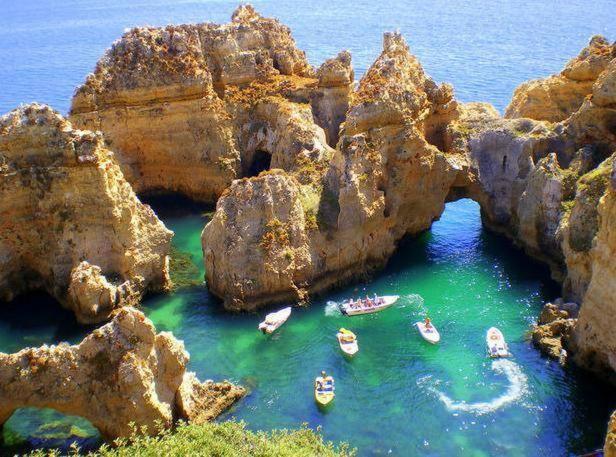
[(557, 97), (122, 372), (217, 102), (405, 148), (69, 222), (326, 221)]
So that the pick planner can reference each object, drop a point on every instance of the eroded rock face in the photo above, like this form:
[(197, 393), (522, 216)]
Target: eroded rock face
[(69, 222), (595, 339), (122, 372), (324, 222), (557, 97), (217, 102)]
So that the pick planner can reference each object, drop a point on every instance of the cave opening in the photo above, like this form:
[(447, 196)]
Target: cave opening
[(261, 161), (31, 428)]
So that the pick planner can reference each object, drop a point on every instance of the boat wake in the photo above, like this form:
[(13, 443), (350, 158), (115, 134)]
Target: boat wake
[(332, 309), (518, 387), (414, 300)]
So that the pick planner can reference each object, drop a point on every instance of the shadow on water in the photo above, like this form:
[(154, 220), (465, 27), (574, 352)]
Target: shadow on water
[(172, 205), (53, 323)]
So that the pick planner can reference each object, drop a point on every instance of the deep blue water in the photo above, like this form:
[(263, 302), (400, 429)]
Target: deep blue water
[(485, 48)]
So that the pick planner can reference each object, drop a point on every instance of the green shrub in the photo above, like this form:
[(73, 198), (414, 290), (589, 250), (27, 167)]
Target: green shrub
[(227, 439)]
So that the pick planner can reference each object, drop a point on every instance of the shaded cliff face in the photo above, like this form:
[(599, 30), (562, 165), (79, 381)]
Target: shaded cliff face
[(122, 372), (557, 97), (325, 222), (217, 102), (70, 223)]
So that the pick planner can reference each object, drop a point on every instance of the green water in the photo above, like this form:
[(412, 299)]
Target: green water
[(399, 395)]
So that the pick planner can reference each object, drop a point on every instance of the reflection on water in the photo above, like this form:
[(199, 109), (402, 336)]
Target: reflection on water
[(400, 394)]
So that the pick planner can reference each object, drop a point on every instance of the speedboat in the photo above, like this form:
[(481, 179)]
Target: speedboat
[(347, 341), (324, 390), (430, 334), (497, 347), (274, 320), (367, 306)]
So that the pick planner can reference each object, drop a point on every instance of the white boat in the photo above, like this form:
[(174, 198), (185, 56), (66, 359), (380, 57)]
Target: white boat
[(274, 320), (354, 308), (347, 341), (497, 347), (430, 334)]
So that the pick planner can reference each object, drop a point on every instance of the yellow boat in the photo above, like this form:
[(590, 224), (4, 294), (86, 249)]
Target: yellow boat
[(347, 341), (324, 389)]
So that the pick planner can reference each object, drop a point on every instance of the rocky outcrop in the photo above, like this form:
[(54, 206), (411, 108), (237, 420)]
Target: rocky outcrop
[(217, 102), (69, 222), (122, 372), (557, 97), (595, 341), (325, 222), (555, 326), (610, 440)]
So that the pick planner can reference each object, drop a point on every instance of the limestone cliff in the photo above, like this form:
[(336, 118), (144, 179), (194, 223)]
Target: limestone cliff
[(122, 372), (557, 97), (69, 222), (217, 102), (326, 221), (595, 339)]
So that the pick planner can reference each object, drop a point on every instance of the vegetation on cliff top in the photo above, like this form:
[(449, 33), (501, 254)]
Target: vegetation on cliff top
[(227, 439)]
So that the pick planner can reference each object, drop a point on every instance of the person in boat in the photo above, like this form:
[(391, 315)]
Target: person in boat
[(368, 301), (428, 323), (324, 382)]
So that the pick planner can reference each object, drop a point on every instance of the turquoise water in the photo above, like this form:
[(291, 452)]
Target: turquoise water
[(399, 395)]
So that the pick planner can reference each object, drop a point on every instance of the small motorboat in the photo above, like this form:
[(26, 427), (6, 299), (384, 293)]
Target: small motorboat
[(348, 341), (274, 320), (324, 389), (368, 305), (428, 332), (497, 347)]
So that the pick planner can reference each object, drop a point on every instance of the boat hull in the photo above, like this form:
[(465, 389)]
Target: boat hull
[(496, 344), (349, 349), (388, 300), (431, 336), (274, 320)]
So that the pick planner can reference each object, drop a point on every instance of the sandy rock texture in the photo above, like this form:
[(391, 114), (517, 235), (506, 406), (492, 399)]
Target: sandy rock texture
[(326, 221), (557, 97), (69, 221), (217, 102), (120, 373)]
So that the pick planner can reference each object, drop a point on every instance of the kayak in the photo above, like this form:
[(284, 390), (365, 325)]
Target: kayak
[(274, 320), (363, 307), (495, 340), (431, 334), (324, 390), (347, 341)]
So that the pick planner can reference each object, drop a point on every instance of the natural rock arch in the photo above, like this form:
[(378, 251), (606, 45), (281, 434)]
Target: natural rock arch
[(122, 372)]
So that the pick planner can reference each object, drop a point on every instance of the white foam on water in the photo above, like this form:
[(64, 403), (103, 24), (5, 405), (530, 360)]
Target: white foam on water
[(518, 387), (332, 309), (415, 300)]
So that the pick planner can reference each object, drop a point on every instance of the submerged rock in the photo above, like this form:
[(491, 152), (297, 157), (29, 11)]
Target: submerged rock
[(123, 372), (69, 221)]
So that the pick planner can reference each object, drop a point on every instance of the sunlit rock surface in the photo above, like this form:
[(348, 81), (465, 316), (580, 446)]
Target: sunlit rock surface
[(69, 221), (122, 372), (557, 97), (217, 102)]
